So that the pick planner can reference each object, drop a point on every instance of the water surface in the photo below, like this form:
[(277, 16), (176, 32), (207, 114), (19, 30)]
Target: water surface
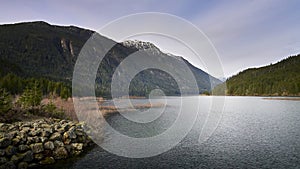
[(253, 133)]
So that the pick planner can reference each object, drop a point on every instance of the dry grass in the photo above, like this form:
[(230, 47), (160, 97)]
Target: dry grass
[(68, 107), (105, 110)]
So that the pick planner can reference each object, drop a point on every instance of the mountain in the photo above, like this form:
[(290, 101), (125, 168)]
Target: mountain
[(280, 79), (38, 49)]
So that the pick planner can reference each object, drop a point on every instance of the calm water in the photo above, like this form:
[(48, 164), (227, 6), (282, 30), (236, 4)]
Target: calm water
[(253, 133)]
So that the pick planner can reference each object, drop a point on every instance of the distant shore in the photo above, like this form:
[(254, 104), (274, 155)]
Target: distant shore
[(282, 98)]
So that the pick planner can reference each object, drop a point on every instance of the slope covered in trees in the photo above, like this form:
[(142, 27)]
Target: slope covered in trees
[(40, 50), (280, 79)]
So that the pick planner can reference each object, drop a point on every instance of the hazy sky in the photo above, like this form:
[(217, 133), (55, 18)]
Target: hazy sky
[(246, 33)]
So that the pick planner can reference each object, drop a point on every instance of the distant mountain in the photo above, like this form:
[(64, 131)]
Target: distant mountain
[(280, 79), (38, 49)]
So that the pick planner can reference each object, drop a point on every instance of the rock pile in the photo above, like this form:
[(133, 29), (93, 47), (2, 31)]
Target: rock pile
[(40, 142)]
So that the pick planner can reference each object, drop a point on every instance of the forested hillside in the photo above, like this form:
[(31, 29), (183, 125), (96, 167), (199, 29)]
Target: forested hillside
[(38, 50), (280, 79)]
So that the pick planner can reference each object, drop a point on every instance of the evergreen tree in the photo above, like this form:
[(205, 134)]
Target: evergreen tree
[(32, 96), (5, 101)]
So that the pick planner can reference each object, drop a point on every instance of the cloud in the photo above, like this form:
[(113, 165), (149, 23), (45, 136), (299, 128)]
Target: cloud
[(249, 33)]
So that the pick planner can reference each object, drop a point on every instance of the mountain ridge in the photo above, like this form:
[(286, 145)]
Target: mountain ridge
[(39, 49)]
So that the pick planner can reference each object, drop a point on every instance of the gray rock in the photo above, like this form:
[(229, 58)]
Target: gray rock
[(3, 127), (79, 132), (49, 130), (49, 145), (77, 146), (35, 125), (21, 140), (22, 165), (25, 129), (45, 133), (30, 140), (60, 153), (69, 148), (11, 150), (12, 134), (43, 139), (56, 136), (27, 156), (76, 152), (23, 148), (15, 141), (3, 160), (61, 130), (4, 142), (66, 126), (35, 132), (2, 152), (56, 127), (67, 141), (26, 124), (70, 134), (47, 160), (23, 136), (37, 147), (82, 139), (33, 165), (38, 156), (16, 159), (8, 165), (44, 125), (36, 139), (58, 143)]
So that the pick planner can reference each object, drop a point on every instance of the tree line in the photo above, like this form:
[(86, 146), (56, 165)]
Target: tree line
[(16, 85)]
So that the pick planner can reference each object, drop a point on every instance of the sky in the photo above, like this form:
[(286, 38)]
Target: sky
[(245, 33)]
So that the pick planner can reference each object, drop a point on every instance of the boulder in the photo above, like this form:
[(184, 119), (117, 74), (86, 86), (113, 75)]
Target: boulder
[(77, 146), (8, 165), (4, 142), (35, 132), (22, 165), (25, 129), (47, 160), (23, 148), (36, 139), (37, 147), (45, 133), (30, 140), (49, 145), (58, 143), (60, 153), (16, 159), (56, 136), (49, 130), (3, 160), (27, 156), (43, 139), (15, 141), (38, 156), (2, 152), (10, 150)]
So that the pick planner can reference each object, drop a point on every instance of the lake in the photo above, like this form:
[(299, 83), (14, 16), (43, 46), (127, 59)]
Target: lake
[(252, 133)]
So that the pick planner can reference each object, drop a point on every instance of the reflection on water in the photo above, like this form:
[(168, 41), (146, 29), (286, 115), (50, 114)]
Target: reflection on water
[(253, 133)]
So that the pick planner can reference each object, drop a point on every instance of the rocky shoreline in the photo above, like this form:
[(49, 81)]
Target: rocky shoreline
[(40, 142)]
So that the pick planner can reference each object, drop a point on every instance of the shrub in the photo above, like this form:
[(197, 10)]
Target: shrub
[(51, 110)]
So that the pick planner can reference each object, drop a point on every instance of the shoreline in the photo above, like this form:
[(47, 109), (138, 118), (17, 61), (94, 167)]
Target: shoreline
[(293, 98)]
